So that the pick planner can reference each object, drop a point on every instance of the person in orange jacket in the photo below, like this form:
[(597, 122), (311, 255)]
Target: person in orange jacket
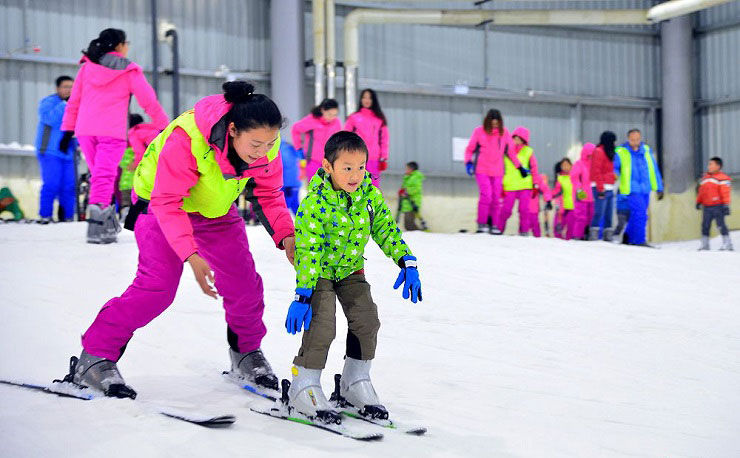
[(714, 196)]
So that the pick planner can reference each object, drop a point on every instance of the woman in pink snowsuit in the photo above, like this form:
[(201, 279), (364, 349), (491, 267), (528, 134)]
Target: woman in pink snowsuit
[(540, 187), (370, 124), (97, 112), (311, 133), (187, 183), (484, 158), (580, 175), (518, 184)]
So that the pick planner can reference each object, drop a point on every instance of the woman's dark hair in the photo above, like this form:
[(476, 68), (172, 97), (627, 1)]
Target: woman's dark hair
[(326, 104), (134, 119), (343, 141), (105, 43), (250, 110), (607, 141), (488, 121), (375, 107)]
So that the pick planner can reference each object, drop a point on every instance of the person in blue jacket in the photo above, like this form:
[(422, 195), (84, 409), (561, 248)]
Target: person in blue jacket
[(55, 151), (639, 175), (291, 181)]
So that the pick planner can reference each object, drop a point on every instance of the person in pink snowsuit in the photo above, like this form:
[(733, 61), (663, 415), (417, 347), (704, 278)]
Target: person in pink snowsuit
[(518, 184), (237, 131), (564, 192), (97, 113), (370, 124), (540, 188), (139, 138), (484, 158), (311, 133), (580, 175)]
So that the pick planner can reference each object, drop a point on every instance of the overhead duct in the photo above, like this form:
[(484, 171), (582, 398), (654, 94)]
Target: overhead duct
[(319, 49), (674, 8)]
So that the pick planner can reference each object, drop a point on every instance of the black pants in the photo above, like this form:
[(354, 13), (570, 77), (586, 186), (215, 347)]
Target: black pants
[(714, 212)]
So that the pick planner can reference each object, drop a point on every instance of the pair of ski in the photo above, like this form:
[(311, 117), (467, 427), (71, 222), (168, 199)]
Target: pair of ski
[(278, 408)]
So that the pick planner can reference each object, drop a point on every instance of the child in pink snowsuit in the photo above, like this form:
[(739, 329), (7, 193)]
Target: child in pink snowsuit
[(139, 138), (518, 184), (370, 124), (97, 110), (484, 158), (580, 175), (311, 133), (540, 188), (187, 183), (564, 190)]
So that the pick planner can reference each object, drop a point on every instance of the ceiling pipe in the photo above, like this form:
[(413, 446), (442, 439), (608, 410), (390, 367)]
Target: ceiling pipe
[(331, 50), (675, 8), (319, 49)]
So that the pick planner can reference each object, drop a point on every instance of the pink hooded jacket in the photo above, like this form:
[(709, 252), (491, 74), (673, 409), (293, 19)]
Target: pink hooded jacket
[(139, 138), (177, 172), (100, 97), (541, 187), (580, 174), (491, 149), (372, 130), (523, 133), (317, 132)]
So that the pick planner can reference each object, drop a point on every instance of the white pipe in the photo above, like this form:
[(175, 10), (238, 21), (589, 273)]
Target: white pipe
[(674, 8), (331, 51), (319, 49), (466, 17)]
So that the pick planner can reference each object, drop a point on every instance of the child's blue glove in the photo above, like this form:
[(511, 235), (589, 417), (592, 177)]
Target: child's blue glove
[(470, 168), (299, 313), (409, 276)]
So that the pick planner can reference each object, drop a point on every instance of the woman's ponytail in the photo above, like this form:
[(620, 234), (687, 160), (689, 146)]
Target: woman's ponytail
[(105, 43), (250, 110)]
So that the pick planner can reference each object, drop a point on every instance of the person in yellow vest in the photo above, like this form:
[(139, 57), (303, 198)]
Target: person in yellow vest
[(639, 175), (186, 185), (563, 192), (517, 182)]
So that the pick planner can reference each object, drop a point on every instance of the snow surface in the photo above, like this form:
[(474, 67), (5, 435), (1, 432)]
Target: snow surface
[(522, 347)]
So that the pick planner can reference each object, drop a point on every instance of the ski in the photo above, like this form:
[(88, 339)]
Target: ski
[(245, 384), (70, 390), (351, 411)]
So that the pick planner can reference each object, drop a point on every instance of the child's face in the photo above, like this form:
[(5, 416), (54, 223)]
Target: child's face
[(348, 170), (713, 167), (565, 166), (409, 170), (253, 144), (330, 114), (518, 140)]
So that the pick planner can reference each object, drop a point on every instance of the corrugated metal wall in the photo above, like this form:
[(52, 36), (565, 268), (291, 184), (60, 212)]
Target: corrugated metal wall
[(718, 85)]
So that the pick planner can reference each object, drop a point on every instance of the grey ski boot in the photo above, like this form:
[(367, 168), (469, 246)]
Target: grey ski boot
[(608, 235), (99, 374), (254, 368), (593, 233), (704, 243), (306, 396), (483, 229), (357, 390), (726, 243), (111, 226), (95, 224)]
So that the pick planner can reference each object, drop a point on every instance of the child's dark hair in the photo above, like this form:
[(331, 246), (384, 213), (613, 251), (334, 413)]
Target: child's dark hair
[(412, 165), (375, 107), (488, 121), (559, 165), (343, 141), (134, 119), (326, 104), (105, 43), (718, 160), (250, 110), (62, 79)]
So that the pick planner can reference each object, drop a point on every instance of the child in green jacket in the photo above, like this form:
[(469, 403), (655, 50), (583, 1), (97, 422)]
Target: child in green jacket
[(410, 197), (333, 224)]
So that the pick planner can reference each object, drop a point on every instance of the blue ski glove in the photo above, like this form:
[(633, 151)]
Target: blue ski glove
[(409, 277), (470, 168), (523, 171), (299, 313)]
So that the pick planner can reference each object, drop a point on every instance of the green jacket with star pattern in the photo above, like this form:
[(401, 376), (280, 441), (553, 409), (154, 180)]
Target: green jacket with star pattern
[(333, 227)]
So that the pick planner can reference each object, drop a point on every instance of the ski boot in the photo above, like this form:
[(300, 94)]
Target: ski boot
[(111, 226), (608, 235), (495, 231), (483, 228), (593, 233), (306, 396), (704, 244), (253, 367), (100, 374), (726, 243), (95, 224), (356, 389)]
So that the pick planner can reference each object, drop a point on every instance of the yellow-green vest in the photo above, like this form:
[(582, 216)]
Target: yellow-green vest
[(625, 172), (513, 180), (215, 192), (566, 188)]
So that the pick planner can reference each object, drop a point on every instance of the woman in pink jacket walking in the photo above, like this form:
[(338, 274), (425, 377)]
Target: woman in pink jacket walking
[(187, 183), (311, 133), (484, 158), (97, 112), (581, 177), (370, 124)]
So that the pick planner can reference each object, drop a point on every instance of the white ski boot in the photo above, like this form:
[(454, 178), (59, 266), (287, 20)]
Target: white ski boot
[(306, 396), (356, 389), (726, 243), (704, 244), (254, 368), (99, 374)]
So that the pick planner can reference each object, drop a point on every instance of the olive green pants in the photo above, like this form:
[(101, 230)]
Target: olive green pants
[(362, 317)]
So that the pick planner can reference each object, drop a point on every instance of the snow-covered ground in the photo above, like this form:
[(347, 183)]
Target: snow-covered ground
[(522, 347)]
